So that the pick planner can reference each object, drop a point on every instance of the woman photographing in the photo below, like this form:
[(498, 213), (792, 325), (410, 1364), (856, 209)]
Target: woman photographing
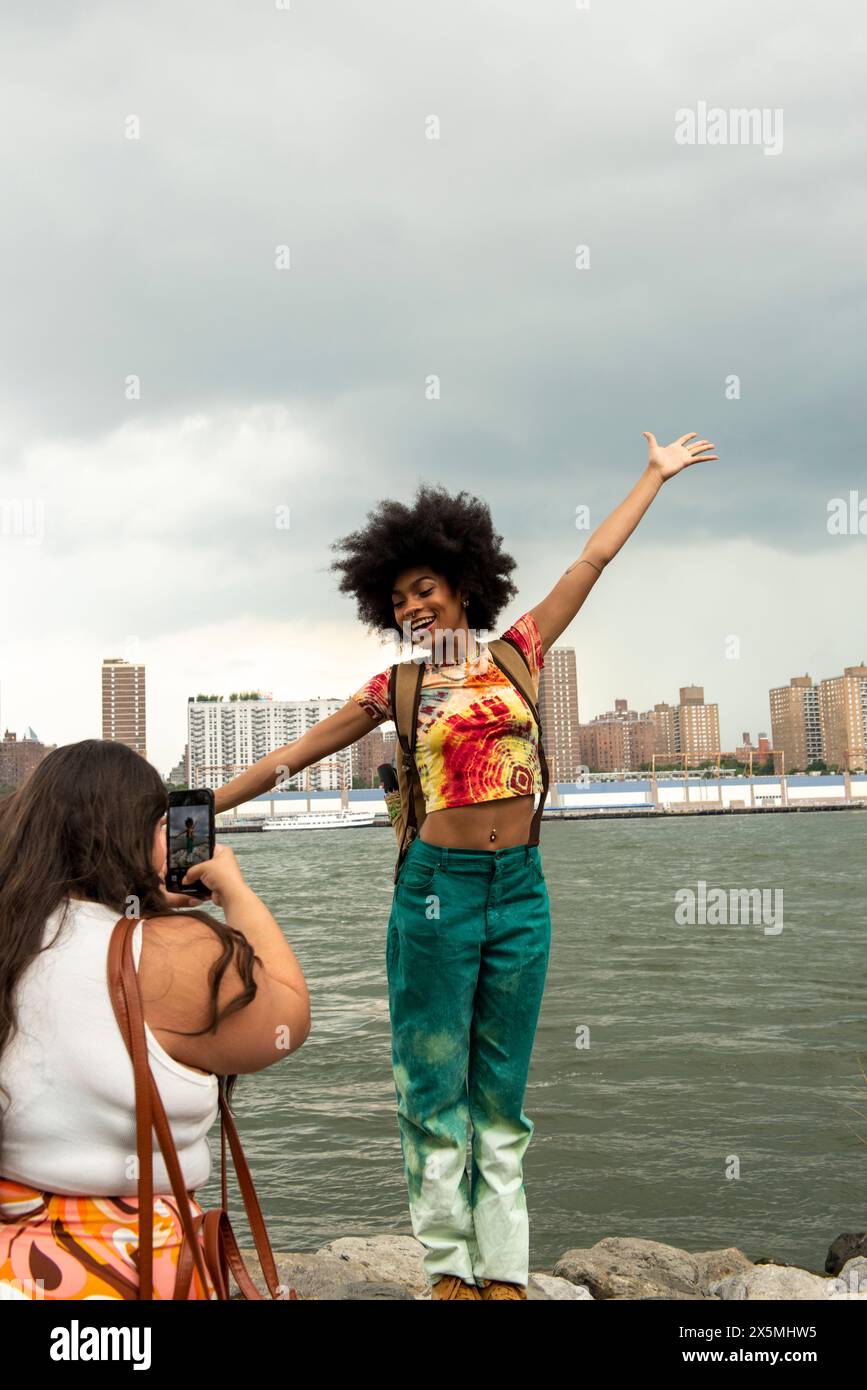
[(83, 844)]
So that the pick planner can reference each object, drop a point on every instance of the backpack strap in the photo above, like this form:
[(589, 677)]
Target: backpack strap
[(404, 690), (512, 662)]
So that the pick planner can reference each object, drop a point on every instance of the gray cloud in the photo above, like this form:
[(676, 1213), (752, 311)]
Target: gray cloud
[(410, 257)]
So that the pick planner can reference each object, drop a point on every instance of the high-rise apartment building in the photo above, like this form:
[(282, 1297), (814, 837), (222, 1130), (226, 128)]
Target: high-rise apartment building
[(226, 736), (795, 726), (19, 756), (123, 703), (843, 718), (619, 741), (827, 721), (558, 713), (663, 718), (371, 750), (696, 724), (690, 727)]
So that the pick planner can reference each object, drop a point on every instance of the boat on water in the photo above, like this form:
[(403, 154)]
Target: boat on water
[(321, 820)]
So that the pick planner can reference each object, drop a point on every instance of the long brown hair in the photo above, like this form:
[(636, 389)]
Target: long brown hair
[(83, 823)]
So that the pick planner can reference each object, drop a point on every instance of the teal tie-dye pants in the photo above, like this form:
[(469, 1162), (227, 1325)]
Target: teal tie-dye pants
[(467, 954)]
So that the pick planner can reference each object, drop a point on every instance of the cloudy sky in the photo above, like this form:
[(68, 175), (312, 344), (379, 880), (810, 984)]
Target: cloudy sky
[(233, 257)]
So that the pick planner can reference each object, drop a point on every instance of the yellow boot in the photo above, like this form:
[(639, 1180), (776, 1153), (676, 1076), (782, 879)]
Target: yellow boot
[(450, 1286), (498, 1288)]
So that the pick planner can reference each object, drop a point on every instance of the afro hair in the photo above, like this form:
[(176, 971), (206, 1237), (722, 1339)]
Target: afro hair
[(452, 534)]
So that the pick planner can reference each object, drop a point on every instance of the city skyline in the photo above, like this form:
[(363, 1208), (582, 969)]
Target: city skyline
[(563, 662), (291, 660)]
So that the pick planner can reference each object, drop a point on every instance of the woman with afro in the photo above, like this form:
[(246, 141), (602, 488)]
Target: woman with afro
[(469, 932)]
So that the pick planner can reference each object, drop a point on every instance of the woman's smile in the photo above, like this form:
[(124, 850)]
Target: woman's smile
[(422, 625)]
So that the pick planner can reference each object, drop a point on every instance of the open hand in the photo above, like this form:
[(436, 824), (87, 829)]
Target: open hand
[(672, 458)]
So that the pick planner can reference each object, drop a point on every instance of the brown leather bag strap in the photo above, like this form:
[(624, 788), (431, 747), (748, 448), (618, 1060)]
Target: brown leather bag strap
[(214, 1254), (176, 1177), (184, 1272), (251, 1203), (213, 1257), (128, 1014), (126, 1002), (232, 1255), (220, 1245)]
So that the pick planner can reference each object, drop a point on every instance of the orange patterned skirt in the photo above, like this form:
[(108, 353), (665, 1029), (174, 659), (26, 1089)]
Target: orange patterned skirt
[(58, 1247)]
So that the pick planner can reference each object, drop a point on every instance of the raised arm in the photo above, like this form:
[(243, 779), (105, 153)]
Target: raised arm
[(554, 614), (328, 736)]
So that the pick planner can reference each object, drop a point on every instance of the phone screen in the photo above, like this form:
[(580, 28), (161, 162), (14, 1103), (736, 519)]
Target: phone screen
[(188, 832)]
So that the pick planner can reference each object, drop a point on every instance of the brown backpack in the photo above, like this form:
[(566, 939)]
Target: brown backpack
[(404, 690)]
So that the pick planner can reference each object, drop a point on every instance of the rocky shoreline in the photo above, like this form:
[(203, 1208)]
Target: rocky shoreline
[(618, 1267)]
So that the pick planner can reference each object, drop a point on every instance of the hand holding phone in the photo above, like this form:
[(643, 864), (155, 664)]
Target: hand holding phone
[(221, 875), (190, 839)]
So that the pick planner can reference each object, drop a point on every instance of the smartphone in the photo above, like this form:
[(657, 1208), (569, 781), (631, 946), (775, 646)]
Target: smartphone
[(190, 838), (387, 777)]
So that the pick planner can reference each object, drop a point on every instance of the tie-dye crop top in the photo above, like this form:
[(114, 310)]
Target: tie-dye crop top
[(477, 739)]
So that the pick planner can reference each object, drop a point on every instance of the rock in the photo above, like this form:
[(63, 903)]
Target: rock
[(369, 1288), (851, 1282), (378, 1267), (778, 1282), (316, 1276), (844, 1248), (549, 1286), (673, 1297), (398, 1261), (619, 1268), (626, 1267), (386, 1259), (715, 1265)]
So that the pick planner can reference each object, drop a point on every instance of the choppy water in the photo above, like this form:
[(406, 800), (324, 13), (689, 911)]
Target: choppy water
[(706, 1042)]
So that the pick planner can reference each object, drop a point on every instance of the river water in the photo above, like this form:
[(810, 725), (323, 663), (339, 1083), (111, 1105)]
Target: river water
[(721, 1100)]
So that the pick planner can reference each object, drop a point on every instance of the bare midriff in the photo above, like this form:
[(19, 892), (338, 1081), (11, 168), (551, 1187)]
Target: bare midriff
[(469, 827)]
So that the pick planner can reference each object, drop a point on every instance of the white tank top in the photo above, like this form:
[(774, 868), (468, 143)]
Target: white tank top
[(69, 1125)]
